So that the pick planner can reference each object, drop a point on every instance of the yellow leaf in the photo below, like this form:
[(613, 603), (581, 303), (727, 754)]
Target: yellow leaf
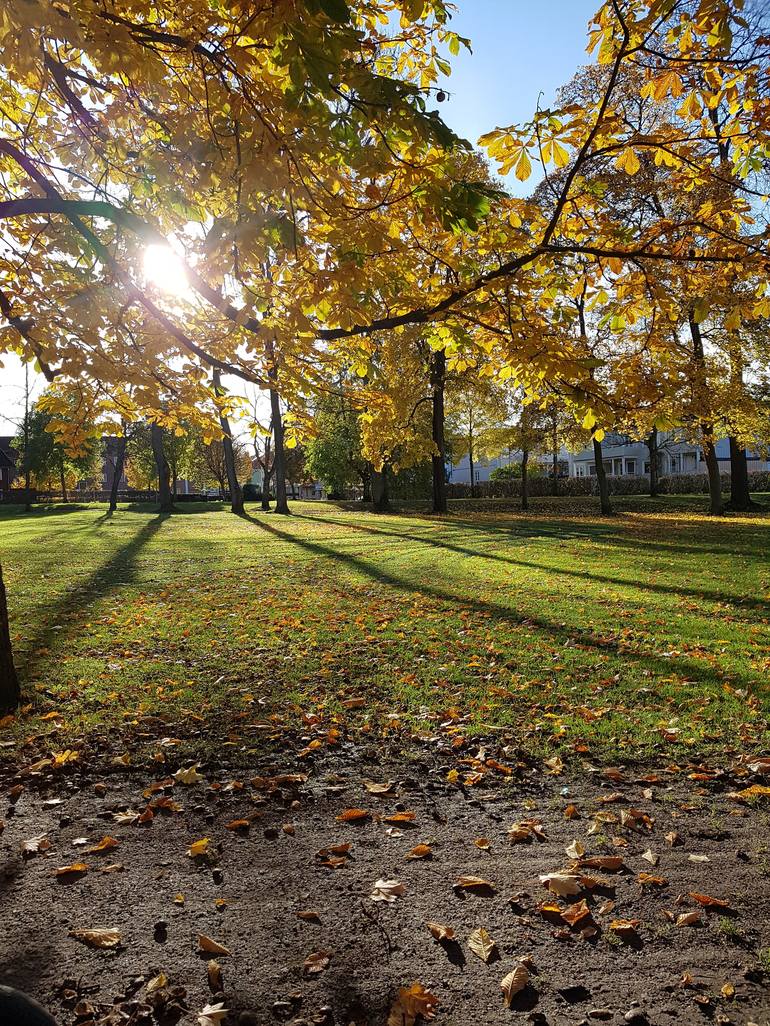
[(523, 167), (628, 161)]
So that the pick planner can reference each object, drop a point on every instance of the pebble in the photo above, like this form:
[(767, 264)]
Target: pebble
[(636, 1017), (600, 1013)]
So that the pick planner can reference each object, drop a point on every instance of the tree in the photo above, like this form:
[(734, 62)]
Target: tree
[(9, 681), (334, 454), (45, 457)]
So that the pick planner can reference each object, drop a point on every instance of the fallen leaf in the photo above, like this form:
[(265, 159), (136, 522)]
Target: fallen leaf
[(388, 890), (575, 850), (708, 902), (214, 976), (563, 884), (555, 766), (440, 931), (76, 867), (35, 845), (609, 863), (651, 857), (474, 883), (99, 938), (316, 962), (310, 916), (212, 1014), (209, 946), (198, 848), (157, 983), (750, 793), (572, 812), (420, 851), (190, 775), (237, 824), (514, 982), (688, 919), (482, 944), (698, 858), (625, 927), (400, 817), (374, 788), (526, 830), (106, 844), (411, 1003), (482, 843), (727, 990), (353, 816), (574, 913), (649, 880)]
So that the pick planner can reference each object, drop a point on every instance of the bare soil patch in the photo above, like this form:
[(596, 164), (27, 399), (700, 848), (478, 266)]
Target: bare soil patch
[(275, 851)]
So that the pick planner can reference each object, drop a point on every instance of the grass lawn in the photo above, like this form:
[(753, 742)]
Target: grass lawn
[(645, 633)]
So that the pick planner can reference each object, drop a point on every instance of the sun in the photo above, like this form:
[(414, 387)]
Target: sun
[(164, 270)]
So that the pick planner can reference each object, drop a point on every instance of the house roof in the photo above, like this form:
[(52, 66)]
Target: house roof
[(7, 452)]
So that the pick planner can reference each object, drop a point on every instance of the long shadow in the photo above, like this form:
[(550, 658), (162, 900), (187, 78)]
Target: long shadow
[(664, 589), (688, 669), (119, 569)]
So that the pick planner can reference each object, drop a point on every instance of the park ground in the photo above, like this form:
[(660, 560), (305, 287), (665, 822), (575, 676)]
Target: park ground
[(605, 678)]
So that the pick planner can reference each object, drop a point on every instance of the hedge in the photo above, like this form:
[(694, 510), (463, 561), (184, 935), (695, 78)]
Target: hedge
[(674, 484)]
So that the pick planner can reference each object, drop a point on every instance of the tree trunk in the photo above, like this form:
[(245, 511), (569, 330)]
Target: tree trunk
[(525, 479), (652, 446), (265, 489), (173, 484), (165, 498), (10, 692), (707, 428), (380, 496), (236, 492), (438, 460), (716, 505), (279, 456), (740, 496), (601, 477), (117, 473), (472, 468), (62, 479), (366, 484)]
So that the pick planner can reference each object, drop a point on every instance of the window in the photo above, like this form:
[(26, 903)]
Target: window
[(646, 466), (592, 469), (617, 467), (675, 464), (630, 466)]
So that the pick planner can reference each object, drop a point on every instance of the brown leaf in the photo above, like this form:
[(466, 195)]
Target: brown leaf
[(76, 867), (411, 1003), (572, 812), (474, 883), (209, 946), (649, 880), (214, 976), (106, 844), (708, 902), (157, 983), (237, 824), (310, 916), (353, 816), (374, 788), (99, 938), (688, 919), (316, 962), (515, 981), (482, 944), (420, 851), (483, 843), (625, 927), (440, 931), (609, 863), (400, 817), (574, 913)]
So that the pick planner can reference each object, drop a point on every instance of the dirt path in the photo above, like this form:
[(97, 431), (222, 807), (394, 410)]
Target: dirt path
[(248, 887)]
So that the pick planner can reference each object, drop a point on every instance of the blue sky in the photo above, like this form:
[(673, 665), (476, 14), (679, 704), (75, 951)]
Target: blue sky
[(520, 49)]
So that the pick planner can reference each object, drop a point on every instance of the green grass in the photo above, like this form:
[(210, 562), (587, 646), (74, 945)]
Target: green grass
[(646, 632)]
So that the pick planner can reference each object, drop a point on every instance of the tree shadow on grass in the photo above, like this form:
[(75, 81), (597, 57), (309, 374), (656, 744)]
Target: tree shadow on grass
[(746, 602), (686, 668), (119, 569)]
